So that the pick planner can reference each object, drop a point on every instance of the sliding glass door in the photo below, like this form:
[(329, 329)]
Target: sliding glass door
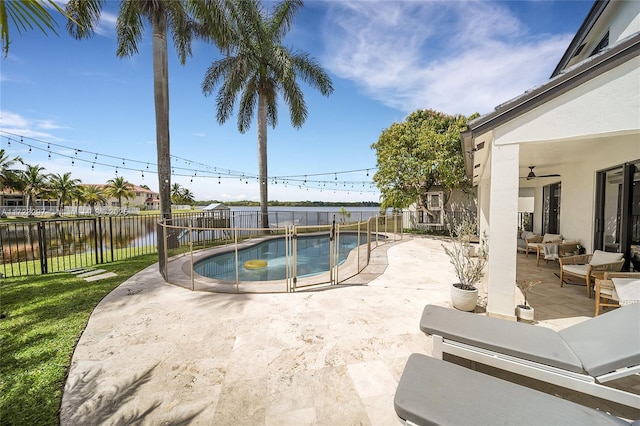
[(551, 209), (617, 216)]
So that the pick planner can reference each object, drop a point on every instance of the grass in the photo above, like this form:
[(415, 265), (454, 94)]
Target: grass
[(42, 320)]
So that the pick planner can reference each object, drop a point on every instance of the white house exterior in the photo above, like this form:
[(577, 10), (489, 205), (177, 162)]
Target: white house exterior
[(583, 125)]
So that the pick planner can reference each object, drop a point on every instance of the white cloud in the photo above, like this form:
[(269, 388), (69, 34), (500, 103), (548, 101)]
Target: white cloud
[(27, 127), (456, 57), (200, 135)]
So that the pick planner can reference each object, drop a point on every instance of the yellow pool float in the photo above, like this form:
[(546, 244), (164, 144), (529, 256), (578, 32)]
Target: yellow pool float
[(255, 264)]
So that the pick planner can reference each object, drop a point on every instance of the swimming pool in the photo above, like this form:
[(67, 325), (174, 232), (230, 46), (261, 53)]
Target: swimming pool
[(312, 259)]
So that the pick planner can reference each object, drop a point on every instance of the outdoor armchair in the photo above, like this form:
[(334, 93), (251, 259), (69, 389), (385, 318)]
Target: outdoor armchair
[(533, 244), (584, 265), (605, 289)]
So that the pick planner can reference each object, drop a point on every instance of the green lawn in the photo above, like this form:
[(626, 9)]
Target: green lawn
[(42, 318)]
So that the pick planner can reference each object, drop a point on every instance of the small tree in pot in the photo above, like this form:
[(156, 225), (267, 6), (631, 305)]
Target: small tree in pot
[(525, 311), (468, 261)]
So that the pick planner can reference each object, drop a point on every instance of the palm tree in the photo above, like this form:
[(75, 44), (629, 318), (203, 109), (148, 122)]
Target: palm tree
[(176, 16), (9, 177), (176, 193), (118, 188), (63, 188), (34, 183), (256, 69), (187, 197), (26, 14), (93, 195)]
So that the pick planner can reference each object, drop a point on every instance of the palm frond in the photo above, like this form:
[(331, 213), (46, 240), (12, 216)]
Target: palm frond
[(247, 106), (282, 17), (129, 28), (84, 16)]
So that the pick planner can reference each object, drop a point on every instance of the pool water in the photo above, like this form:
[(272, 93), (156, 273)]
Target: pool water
[(312, 259)]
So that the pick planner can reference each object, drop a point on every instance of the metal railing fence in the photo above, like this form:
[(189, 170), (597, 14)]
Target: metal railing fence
[(225, 258), (59, 244)]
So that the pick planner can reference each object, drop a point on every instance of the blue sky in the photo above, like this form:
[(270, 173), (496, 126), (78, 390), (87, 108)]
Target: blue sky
[(386, 59)]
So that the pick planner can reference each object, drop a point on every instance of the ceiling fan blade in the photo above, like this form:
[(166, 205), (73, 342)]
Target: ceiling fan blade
[(553, 175)]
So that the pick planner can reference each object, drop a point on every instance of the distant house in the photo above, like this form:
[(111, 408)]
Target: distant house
[(572, 144), (142, 197), (436, 214)]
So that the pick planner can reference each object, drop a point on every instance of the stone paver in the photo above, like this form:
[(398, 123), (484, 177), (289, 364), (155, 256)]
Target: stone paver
[(155, 353)]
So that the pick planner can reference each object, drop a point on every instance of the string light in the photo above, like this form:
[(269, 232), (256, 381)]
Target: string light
[(197, 170)]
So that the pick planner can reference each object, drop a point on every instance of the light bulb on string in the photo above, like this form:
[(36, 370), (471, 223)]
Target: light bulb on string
[(29, 149), (73, 162), (49, 155), (8, 141)]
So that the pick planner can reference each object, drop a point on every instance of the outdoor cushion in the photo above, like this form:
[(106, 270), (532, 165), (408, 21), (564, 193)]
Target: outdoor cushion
[(436, 392), (551, 238), (607, 342), (603, 257), (580, 270), (520, 340)]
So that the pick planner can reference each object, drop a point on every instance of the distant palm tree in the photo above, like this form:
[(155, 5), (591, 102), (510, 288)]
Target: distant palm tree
[(9, 177), (63, 188), (175, 16), (93, 195), (176, 193), (26, 14), (256, 68), (118, 188), (34, 183), (187, 197)]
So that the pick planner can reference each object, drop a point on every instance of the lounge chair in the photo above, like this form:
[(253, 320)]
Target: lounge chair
[(582, 357), (435, 392), (585, 265)]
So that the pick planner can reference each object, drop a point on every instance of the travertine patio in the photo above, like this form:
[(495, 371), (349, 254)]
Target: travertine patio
[(160, 354)]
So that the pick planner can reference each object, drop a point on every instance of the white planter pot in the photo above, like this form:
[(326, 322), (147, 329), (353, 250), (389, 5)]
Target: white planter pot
[(525, 313), (464, 300)]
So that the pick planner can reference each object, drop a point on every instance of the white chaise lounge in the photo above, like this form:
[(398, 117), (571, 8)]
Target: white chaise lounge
[(582, 357), (436, 392)]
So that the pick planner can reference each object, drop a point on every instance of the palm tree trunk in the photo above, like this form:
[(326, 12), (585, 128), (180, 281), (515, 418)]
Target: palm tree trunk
[(262, 159), (161, 99)]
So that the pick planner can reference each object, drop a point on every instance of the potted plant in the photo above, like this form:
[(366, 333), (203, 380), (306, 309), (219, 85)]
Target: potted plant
[(468, 261), (526, 312)]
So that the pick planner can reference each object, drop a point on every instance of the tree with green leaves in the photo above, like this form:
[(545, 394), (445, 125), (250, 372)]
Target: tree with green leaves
[(26, 14), (421, 153), (119, 188), (34, 184), (63, 187), (183, 19), (176, 193), (187, 197), (9, 176), (256, 68), (92, 195)]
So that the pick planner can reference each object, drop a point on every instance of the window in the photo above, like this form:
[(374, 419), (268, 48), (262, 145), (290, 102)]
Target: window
[(551, 209), (603, 43)]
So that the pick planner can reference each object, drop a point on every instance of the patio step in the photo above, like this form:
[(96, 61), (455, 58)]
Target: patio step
[(90, 272), (101, 276)]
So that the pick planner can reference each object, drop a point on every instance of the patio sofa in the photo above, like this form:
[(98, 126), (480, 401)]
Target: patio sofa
[(582, 357), (523, 237), (436, 392)]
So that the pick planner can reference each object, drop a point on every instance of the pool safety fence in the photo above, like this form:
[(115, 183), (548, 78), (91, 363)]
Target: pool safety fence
[(277, 259), (41, 245)]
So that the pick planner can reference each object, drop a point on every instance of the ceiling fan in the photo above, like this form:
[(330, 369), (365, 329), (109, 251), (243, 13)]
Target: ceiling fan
[(532, 175)]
